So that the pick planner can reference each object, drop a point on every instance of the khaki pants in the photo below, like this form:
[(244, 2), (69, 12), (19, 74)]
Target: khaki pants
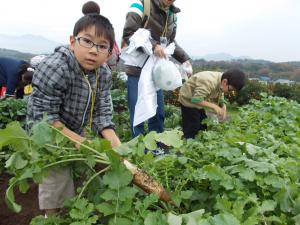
[(56, 188)]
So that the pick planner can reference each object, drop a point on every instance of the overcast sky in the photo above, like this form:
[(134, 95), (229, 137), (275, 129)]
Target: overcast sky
[(260, 29)]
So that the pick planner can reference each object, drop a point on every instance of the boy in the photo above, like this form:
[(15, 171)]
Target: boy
[(206, 90), (72, 86)]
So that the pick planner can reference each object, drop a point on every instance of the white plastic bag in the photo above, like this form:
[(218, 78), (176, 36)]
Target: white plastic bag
[(166, 75)]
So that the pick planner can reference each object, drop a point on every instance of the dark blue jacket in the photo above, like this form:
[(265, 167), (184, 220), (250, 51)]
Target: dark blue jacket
[(10, 73)]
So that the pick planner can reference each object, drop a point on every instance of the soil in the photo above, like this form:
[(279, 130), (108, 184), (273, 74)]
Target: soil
[(28, 201)]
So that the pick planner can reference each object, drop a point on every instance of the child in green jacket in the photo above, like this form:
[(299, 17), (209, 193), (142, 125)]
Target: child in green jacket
[(206, 90)]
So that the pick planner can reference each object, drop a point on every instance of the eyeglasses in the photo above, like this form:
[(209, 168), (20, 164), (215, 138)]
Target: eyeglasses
[(231, 89), (87, 43)]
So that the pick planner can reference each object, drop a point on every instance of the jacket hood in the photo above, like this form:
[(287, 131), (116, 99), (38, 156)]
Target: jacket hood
[(69, 56)]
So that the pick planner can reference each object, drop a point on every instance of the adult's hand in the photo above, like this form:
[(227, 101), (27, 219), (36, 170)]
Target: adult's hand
[(159, 51)]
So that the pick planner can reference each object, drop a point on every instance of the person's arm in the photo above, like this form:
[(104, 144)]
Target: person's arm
[(102, 116), (224, 108), (110, 135), (132, 24), (76, 138), (218, 110)]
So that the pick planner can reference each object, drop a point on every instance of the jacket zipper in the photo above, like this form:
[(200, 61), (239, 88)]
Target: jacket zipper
[(87, 105)]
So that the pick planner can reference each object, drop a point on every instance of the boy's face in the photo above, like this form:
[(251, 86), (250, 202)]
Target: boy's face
[(91, 51), (226, 87)]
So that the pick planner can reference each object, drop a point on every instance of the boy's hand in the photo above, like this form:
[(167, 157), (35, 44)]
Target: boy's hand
[(110, 135), (221, 112), (224, 113)]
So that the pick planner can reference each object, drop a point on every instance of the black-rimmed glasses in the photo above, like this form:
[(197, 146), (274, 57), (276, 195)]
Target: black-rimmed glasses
[(87, 43)]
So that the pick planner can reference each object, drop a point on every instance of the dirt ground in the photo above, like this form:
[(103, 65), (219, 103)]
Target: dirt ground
[(29, 202)]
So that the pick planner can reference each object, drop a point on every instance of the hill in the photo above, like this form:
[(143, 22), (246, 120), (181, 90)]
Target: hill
[(28, 43), (221, 57), (255, 68), (15, 54)]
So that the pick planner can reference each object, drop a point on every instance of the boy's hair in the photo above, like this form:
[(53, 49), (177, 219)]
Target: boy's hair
[(236, 78), (90, 7), (92, 17)]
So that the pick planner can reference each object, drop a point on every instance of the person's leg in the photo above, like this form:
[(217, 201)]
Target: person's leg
[(156, 123), (132, 91), (190, 121), (55, 189), (202, 116), (20, 93)]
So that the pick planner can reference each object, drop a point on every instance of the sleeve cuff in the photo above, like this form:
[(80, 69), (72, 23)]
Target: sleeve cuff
[(197, 100), (9, 95), (106, 127)]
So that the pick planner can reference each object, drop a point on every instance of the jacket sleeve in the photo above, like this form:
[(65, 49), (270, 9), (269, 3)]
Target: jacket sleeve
[(132, 24), (202, 90), (179, 54), (49, 87), (102, 116)]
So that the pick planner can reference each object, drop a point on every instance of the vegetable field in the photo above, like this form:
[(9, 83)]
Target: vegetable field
[(243, 171)]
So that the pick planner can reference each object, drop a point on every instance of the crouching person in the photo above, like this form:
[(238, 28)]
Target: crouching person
[(206, 90)]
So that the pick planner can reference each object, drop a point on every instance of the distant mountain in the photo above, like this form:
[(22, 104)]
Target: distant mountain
[(221, 57), (28, 43), (15, 54)]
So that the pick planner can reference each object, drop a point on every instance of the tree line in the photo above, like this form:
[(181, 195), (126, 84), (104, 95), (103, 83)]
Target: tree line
[(254, 68)]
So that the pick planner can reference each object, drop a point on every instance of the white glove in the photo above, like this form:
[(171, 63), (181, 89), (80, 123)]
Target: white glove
[(187, 67)]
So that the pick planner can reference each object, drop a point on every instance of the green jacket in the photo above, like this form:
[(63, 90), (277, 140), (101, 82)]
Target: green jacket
[(202, 86)]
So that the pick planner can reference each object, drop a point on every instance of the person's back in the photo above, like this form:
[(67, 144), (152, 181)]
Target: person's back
[(10, 74), (204, 85)]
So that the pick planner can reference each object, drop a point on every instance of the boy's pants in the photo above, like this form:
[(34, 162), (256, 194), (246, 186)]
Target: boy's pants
[(56, 188), (192, 121), (156, 123)]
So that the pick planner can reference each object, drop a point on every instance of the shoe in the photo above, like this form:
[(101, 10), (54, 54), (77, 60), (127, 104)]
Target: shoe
[(158, 152)]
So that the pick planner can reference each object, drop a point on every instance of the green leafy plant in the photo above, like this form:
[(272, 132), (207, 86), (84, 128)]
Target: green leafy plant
[(243, 171), (11, 110)]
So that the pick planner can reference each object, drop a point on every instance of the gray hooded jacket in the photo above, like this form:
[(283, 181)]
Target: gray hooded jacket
[(60, 91)]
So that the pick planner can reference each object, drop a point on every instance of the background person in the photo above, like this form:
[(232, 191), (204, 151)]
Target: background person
[(162, 26), (206, 90), (14, 75)]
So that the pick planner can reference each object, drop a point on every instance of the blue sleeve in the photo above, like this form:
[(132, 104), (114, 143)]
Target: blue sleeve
[(12, 80)]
